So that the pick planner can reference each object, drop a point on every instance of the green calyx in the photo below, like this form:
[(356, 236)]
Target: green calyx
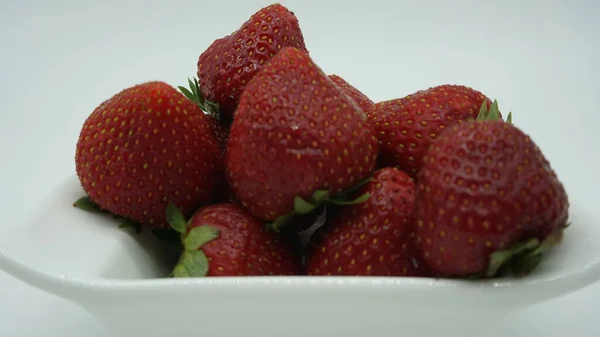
[(318, 199), (523, 257), (192, 262), (86, 204), (193, 93), (491, 114)]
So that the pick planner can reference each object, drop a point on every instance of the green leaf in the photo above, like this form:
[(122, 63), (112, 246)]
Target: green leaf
[(196, 90), (509, 118), (199, 236), (187, 93), (302, 206), (192, 263), (193, 94), (85, 203), (319, 196), (175, 218), (128, 223), (281, 221), (359, 200), (494, 113), (552, 240), (357, 186), (526, 263), (483, 111), (500, 258)]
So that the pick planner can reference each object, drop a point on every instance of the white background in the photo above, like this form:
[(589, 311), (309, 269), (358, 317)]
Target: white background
[(60, 59)]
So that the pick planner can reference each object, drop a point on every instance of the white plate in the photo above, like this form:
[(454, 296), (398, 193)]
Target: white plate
[(117, 276)]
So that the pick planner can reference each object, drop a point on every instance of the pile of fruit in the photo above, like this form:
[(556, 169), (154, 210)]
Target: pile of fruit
[(264, 142)]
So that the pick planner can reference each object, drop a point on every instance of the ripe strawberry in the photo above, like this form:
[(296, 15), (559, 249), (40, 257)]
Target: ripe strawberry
[(225, 240), (364, 102), (374, 238), (296, 136), (146, 145), (487, 200), (230, 62), (407, 126)]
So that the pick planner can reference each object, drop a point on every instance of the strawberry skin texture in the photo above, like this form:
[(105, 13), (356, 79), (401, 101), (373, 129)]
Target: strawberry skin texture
[(407, 126), (294, 133), (364, 102), (374, 238), (484, 187), (244, 246), (230, 62), (145, 146)]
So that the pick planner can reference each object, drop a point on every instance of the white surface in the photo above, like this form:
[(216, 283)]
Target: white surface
[(60, 59)]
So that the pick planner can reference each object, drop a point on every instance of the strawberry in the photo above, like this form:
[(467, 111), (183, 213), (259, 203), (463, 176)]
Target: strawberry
[(230, 62), (364, 102), (374, 238), (296, 136), (487, 201), (225, 240), (146, 145), (407, 126)]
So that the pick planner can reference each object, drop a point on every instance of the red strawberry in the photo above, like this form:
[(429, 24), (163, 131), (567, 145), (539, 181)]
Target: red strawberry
[(294, 137), (225, 240), (144, 146), (407, 126), (230, 62), (487, 196), (364, 102), (374, 238)]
